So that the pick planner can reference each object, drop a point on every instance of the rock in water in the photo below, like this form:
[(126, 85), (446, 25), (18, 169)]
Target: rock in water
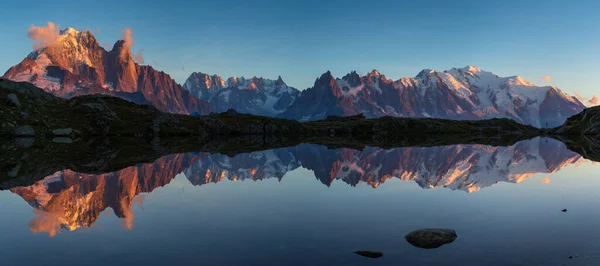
[(369, 253), (62, 132), (24, 131), (12, 99), (24, 142), (62, 140), (13, 170), (431, 237)]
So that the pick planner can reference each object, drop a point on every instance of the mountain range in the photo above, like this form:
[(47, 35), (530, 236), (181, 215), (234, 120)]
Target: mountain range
[(257, 96), (72, 200), (76, 65), (460, 93)]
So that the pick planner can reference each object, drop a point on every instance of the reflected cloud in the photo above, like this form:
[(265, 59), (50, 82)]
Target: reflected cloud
[(546, 180), (47, 222)]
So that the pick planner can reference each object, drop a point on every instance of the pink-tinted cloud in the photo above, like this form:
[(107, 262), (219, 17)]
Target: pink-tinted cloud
[(127, 43), (587, 101), (139, 57), (579, 97), (594, 100), (45, 222), (98, 30), (43, 36), (128, 219), (547, 79), (107, 45)]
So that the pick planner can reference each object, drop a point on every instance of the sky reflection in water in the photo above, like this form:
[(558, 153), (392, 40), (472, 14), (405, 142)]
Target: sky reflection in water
[(308, 205)]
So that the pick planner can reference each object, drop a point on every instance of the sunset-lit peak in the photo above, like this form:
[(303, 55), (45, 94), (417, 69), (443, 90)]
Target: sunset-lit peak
[(252, 171), (252, 86), (69, 30), (518, 80), (471, 68), (374, 72)]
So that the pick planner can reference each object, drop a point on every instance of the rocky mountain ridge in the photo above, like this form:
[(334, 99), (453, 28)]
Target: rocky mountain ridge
[(77, 65), (467, 93)]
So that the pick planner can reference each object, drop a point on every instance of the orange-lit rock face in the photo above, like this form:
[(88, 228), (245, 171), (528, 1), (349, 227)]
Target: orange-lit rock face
[(72, 63), (69, 200)]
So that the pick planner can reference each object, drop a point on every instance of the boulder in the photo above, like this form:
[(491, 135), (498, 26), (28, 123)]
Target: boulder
[(62, 132), (23, 131), (431, 237), (13, 170), (62, 140), (12, 100), (24, 142)]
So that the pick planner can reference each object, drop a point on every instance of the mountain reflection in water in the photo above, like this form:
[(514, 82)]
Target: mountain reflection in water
[(68, 200)]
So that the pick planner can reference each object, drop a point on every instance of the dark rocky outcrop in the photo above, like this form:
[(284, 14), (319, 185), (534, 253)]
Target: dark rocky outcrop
[(585, 123), (12, 100)]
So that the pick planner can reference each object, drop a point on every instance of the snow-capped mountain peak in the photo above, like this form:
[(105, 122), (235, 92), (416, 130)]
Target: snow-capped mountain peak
[(470, 68), (426, 73), (519, 81), (374, 72), (256, 95), (69, 31)]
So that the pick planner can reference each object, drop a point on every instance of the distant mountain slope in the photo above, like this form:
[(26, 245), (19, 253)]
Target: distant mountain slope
[(256, 96), (458, 93), (77, 65)]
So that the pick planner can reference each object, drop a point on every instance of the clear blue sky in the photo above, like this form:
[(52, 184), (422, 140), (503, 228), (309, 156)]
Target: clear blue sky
[(301, 40)]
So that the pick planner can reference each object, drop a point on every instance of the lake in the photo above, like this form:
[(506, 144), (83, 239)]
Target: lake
[(310, 205)]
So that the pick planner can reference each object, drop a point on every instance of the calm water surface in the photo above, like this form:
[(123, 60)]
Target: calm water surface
[(308, 205)]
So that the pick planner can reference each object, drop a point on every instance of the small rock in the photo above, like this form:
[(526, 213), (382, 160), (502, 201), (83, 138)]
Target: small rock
[(570, 257), (564, 210), (24, 142), (24, 131), (96, 106), (13, 170), (369, 253), (62, 132), (62, 140), (431, 238), (12, 99)]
